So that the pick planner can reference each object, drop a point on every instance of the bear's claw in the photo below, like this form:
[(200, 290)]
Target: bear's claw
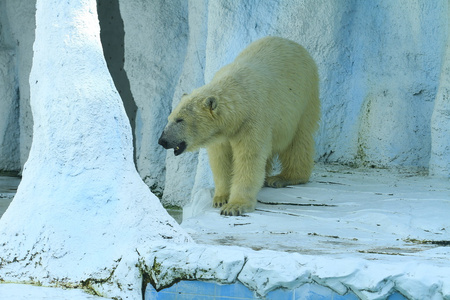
[(235, 209), (219, 201), (230, 211)]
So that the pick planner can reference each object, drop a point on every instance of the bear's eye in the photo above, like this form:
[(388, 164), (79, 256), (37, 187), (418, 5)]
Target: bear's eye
[(179, 120)]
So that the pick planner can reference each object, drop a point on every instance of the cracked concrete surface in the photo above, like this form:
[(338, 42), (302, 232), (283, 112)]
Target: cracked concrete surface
[(341, 210)]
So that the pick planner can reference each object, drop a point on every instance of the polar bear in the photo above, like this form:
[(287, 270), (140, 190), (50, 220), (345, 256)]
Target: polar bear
[(262, 105)]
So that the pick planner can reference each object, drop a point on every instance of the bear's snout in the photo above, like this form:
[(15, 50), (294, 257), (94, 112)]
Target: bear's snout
[(178, 147), (163, 142)]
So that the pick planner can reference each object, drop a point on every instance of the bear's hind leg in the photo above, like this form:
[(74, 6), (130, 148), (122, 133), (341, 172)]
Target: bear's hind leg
[(297, 161), (221, 160)]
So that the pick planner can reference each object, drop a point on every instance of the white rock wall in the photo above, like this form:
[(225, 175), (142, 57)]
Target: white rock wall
[(440, 121), (380, 66), (160, 29), (396, 57)]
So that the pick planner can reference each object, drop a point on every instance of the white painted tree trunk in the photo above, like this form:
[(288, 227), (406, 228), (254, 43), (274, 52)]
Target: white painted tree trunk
[(81, 209)]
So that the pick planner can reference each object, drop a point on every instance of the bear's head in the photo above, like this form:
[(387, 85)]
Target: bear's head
[(194, 123)]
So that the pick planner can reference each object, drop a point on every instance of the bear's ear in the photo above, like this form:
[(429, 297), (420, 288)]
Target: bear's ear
[(211, 103)]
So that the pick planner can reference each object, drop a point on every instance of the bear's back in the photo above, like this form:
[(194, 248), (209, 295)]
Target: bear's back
[(279, 68), (276, 53)]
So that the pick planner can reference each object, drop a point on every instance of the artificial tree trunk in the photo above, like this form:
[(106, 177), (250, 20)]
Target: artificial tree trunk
[(81, 210)]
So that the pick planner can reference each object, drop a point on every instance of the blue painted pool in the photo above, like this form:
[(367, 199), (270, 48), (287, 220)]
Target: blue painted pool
[(199, 290)]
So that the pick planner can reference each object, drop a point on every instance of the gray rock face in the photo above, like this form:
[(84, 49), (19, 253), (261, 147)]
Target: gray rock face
[(17, 25), (9, 106)]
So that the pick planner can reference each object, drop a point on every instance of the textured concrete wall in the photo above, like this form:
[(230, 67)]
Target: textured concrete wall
[(440, 121)]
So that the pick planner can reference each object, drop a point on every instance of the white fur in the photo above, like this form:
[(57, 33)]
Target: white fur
[(266, 103)]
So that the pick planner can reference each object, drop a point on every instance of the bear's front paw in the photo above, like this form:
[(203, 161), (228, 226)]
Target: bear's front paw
[(237, 208), (219, 201)]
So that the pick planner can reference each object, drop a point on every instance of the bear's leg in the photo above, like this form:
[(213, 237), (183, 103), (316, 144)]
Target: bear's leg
[(297, 161), (221, 162), (248, 178)]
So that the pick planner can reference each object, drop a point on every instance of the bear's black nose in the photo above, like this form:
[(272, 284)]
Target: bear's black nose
[(163, 142)]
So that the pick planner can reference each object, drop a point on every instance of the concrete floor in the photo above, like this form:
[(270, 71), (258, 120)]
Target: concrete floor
[(341, 210), (374, 223)]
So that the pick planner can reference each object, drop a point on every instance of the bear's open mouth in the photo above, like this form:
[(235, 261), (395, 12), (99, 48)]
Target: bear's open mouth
[(179, 148)]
